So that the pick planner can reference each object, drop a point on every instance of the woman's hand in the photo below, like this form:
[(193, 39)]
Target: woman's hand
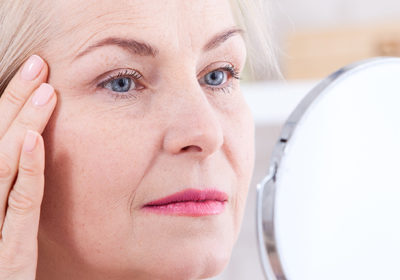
[(25, 108)]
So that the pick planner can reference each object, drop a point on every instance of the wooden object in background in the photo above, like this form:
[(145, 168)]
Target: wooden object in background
[(316, 54)]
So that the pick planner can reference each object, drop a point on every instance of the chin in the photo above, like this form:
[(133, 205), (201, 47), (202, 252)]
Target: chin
[(216, 265), (193, 266), (191, 258), (181, 248)]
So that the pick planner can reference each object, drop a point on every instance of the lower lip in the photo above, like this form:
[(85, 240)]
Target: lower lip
[(189, 208)]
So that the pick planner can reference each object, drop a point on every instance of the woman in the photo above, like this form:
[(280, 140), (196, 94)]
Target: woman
[(148, 140)]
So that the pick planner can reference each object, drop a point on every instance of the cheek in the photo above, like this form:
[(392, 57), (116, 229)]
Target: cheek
[(93, 168)]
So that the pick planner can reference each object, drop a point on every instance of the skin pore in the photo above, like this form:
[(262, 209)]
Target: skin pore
[(108, 153)]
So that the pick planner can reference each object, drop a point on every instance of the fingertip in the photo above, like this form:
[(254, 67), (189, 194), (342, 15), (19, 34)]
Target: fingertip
[(34, 69)]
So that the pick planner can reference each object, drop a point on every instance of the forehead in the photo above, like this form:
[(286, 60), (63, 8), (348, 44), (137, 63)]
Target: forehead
[(178, 24)]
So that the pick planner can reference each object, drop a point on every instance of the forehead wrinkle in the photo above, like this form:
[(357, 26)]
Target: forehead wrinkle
[(99, 31), (80, 25), (102, 23)]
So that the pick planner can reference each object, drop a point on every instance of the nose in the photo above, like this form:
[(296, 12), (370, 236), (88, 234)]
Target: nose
[(194, 127)]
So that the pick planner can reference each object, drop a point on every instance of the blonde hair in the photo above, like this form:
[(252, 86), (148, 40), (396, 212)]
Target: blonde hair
[(253, 17), (25, 30)]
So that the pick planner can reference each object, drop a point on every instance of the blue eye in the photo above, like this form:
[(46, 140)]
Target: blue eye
[(122, 84), (215, 78)]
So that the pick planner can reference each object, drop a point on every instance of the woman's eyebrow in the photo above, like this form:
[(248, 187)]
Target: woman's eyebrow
[(131, 45), (221, 37), (144, 49)]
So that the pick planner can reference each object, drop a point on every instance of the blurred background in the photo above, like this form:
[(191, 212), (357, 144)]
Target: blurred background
[(317, 37), (314, 39)]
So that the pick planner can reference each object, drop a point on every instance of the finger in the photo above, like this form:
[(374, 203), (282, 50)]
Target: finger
[(28, 78), (31, 117), (21, 223)]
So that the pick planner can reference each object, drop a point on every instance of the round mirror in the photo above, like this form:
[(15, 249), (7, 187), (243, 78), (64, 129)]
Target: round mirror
[(330, 206)]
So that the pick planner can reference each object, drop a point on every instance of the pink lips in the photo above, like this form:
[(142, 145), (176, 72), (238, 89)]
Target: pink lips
[(190, 202)]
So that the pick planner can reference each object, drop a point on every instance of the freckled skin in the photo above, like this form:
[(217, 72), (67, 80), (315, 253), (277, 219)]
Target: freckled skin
[(107, 157)]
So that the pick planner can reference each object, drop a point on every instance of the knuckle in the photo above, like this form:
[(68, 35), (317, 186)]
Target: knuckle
[(13, 98), (25, 123), (20, 201), (5, 169), (28, 170)]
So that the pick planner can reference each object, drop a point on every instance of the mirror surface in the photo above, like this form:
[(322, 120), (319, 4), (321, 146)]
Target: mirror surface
[(330, 206)]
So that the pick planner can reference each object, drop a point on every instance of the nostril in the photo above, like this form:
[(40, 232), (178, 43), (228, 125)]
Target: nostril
[(192, 148)]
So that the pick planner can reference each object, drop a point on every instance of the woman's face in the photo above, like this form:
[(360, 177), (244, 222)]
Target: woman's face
[(148, 107)]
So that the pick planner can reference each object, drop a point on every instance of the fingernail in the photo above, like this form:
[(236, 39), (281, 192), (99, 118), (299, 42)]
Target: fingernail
[(30, 141), (42, 95), (32, 68)]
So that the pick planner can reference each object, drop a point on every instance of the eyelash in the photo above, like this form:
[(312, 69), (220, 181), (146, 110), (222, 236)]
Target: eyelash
[(234, 74), (136, 76)]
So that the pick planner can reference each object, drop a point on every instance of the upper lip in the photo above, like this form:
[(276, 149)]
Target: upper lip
[(191, 195)]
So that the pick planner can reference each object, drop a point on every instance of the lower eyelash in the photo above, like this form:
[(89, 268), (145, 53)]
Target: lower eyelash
[(227, 89), (234, 73), (124, 96), (224, 90), (135, 76)]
